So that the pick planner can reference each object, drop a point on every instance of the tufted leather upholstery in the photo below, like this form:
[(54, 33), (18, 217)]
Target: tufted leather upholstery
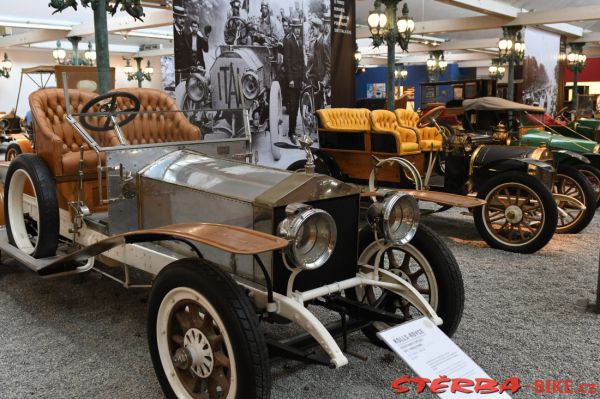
[(56, 142), (149, 128), (384, 121), (345, 119), (430, 138)]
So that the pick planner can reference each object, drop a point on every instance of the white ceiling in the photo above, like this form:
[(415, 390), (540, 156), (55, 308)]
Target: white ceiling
[(426, 11)]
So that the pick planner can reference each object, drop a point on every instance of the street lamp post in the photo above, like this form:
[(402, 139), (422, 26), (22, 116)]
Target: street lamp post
[(496, 70), (511, 49), (386, 28), (576, 62), (5, 67)]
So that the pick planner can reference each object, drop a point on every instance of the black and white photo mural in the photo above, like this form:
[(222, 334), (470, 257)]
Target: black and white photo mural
[(270, 57), (540, 69)]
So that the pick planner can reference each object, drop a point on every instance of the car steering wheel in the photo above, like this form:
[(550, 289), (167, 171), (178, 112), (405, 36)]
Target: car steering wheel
[(430, 116), (236, 30), (560, 115), (107, 104)]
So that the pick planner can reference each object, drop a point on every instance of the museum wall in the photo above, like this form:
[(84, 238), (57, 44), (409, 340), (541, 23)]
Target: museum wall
[(30, 58), (417, 74)]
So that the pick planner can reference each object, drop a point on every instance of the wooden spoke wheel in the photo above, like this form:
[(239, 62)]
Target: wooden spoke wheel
[(520, 214), (204, 336), (427, 263), (593, 175), (570, 182)]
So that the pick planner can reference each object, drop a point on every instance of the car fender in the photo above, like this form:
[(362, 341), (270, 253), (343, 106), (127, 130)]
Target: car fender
[(485, 172), (572, 156)]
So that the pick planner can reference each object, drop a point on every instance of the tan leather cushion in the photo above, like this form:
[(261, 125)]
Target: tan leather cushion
[(153, 127), (428, 136), (430, 145), (407, 117), (350, 119), (55, 138)]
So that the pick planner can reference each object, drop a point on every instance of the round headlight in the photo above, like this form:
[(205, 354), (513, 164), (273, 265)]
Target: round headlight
[(312, 233), (197, 87), (397, 217), (250, 85)]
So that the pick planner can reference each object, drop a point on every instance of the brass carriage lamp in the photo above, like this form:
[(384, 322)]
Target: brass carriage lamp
[(5, 66), (59, 54), (90, 55)]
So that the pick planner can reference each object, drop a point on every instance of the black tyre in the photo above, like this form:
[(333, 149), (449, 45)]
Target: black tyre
[(426, 261), (570, 182), (32, 222), (593, 175), (12, 150), (204, 336), (520, 214)]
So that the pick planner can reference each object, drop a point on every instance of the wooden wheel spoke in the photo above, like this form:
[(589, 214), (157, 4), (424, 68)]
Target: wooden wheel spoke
[(195, 315), (218, 380), (184, 319), (221, 360), (215, 340), (497, 217), (178, 339)]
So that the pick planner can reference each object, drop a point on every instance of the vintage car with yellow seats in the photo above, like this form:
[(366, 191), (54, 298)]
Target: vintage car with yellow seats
[(229, 247), (383, 147), (14, 135)]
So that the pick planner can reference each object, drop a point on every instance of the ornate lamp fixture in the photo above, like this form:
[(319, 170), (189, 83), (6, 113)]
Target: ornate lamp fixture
[(357, 57), (5, 67), (60, 55), (401, 73), (90, 55), (511, 50), (139, 75), (576, 59), (496, 70), (387, 29), (436, 64)]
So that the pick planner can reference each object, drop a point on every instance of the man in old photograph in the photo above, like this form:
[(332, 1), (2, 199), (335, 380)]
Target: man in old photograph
[(293, 64), (198, 44), (318, 62), (182, 58)]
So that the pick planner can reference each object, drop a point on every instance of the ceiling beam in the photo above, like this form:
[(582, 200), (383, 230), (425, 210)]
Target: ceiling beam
[(34, 36), (571, 14), (152, 20), (459, 24), (489, 7), (422, 58), (564, 29), (587, 37), (468, 44)]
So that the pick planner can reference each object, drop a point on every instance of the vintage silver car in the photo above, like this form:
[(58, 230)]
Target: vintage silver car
[(228, 245)]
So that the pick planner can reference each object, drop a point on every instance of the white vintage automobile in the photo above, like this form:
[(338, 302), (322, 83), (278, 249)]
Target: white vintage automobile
[(125, 179)]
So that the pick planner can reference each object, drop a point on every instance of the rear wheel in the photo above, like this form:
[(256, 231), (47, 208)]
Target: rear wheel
[(203, 334), (427, 263), (572, 183), (31, 206), (520, 214)]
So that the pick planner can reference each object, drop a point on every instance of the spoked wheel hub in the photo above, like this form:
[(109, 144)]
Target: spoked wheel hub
[(513, 214), (196, 354)]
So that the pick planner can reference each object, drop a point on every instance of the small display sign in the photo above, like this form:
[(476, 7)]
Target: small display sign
[(435, 357)]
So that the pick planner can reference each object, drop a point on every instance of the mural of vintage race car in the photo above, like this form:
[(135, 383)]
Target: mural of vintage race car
[(241, 77)]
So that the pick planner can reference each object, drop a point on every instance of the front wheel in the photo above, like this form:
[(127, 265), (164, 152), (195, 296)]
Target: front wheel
[(12, 150), (427, 263), (520, 214), (593, 175), (203, 334), (572, 183)]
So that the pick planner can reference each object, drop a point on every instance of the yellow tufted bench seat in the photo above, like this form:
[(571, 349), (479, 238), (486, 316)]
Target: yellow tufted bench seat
[(345, 119), (384, 123), (430, 138)]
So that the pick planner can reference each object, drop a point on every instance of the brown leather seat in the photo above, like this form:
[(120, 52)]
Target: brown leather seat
[(56, 142), (150, 127)]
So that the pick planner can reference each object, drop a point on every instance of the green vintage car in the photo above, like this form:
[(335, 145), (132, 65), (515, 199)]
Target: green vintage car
[(576, 160)]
